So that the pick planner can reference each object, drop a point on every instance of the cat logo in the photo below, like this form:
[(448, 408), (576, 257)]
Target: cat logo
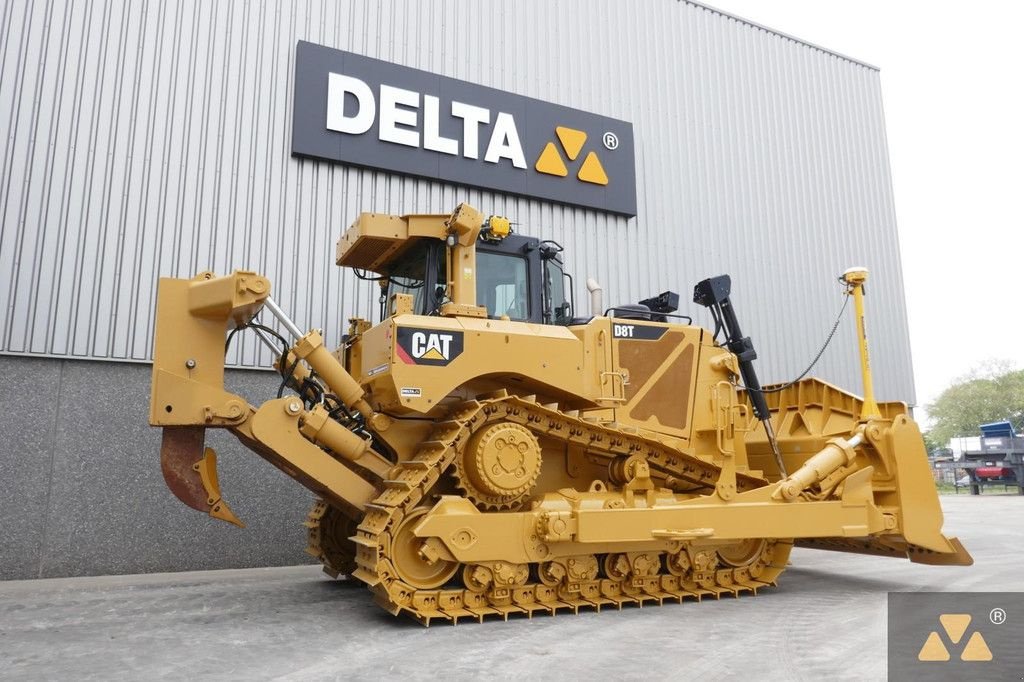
[(427, 346), (431, 346), (955, 625)]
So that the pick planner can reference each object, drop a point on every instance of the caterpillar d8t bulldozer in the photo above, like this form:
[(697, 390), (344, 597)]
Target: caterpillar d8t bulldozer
[(483, 450)]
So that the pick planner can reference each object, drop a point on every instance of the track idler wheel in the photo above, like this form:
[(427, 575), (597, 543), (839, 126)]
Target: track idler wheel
[(743, 553), (762, 560), (412, 563)]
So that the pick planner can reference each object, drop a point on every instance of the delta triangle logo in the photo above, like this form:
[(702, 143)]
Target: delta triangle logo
[(955, 625), (550, 160)]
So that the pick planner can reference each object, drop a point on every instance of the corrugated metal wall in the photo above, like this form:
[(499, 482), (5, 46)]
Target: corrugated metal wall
[(152, 138)]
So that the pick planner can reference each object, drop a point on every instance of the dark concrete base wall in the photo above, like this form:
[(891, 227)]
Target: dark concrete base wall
[(82, 492)]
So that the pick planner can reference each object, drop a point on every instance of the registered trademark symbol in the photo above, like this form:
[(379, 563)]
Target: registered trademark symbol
[(997, 616), (611, 140)]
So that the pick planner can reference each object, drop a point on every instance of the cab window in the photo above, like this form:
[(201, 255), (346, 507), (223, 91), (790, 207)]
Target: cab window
[(412, 275), (557, 307), (502, 285), (407, 277)]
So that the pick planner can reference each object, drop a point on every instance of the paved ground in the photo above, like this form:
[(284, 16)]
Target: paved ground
[(826, 620)]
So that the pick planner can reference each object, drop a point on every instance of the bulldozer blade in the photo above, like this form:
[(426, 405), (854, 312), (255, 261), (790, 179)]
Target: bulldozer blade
[(920, 511), (190, 471), (894, 546), (958, 557), (917, 513)]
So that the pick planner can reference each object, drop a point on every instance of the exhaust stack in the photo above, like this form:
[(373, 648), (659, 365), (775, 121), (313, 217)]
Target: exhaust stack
[(596, 297)]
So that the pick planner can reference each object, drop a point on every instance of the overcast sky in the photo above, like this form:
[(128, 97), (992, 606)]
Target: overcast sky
[(953, 90)]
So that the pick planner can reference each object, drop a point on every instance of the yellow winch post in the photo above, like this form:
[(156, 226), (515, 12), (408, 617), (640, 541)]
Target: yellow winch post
[(854, 279)]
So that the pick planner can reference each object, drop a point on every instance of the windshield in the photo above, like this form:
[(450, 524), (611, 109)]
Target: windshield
[(501, 285)]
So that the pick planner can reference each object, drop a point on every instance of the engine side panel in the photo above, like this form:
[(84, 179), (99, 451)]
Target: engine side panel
[(660, 361), (414, 363)]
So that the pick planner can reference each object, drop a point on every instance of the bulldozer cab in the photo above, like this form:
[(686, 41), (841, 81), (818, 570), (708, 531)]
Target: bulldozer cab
[(463, 264), (518, 277)]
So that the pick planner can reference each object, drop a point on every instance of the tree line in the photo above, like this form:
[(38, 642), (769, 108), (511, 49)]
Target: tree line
[(993, 392)]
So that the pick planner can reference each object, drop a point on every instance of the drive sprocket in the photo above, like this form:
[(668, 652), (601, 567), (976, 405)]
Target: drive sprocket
[(499, 467)]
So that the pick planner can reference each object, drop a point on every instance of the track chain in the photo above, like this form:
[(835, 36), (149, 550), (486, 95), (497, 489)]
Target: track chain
[(411, 481), (329, 539)]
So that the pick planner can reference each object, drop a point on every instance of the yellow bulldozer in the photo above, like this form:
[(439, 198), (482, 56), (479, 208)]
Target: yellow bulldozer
[(482, 450)]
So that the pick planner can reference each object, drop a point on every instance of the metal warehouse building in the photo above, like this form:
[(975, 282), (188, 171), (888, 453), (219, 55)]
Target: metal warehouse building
[(150, 139)]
